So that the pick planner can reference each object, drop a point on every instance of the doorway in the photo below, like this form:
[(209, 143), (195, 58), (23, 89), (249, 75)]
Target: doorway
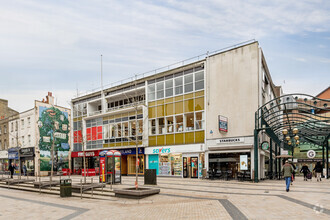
[(190, 167)]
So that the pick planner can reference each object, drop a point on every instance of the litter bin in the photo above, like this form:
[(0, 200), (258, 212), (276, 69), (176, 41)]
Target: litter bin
[(150, 177), (65, 187)]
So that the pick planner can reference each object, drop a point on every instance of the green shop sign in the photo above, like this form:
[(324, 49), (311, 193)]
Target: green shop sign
[(265, 145)]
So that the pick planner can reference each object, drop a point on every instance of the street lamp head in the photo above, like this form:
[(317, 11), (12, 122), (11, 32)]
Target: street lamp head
[(296, 137), (289, 143), (285, 131), (295, 131), (297, 142), (287, 137)]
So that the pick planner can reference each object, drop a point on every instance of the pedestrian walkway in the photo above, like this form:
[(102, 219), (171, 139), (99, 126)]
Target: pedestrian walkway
[(180, 199)]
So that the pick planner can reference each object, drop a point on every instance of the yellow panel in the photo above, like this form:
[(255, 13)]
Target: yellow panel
[(189, 137), (77, 119), (117, 116), (160, 111), (111, 117), (124, 115), (112, 144), (160, 102), (200, 93), (152, 103), (118, 144), (139, 142), (199, 137), (170, 139), (132, 143), (152, 140), (199, 104), (131, 113), (178, 107), (169, 109), (125, 143), (178, 98), (106, 145), (160, 140), (169, 100), (140, 112), (189, 96), (179, 138), (152, 112), (189, 105)]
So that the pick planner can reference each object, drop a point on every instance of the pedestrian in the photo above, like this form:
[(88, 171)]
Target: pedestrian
[(305, 171), (11, 169), (318, 169), (24, 169), (293, 173), (287, 173)]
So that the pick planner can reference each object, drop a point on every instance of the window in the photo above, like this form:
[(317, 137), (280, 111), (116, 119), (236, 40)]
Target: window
[(118, 130), (161, 126), (140, 127), (132, 128), (169, 88), (0, 129), (151, 92), (189, 122), (29, 140), (125, 129), (12, 142), (178, 85), (160, 90), (199, 80), (12, 127), (199, 123), (29, 121), (179, 123), (16, 125), (5, 144), (188, 83), (22, 141), (152, 126), (106, 132), (5, 129), (0, 145), (22, 124), (170, 124)]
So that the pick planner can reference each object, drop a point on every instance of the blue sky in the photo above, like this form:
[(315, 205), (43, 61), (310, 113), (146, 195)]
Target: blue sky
[(56, 45)]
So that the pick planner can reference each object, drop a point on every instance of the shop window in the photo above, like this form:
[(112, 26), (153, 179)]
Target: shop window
[(170, 124), (199, 123), (176, 164), (188, 83), (170, 139), (152, 112), (160, 111), (169, 109), (152, 126), (132, 164), (179, 123), (189, 137), (199, 104), (160, 90), (189, 105), (151, 92), (189, 122), (169, 88), (164, 165), (161, 125), (178, 85), (178, 108), (160, 140)]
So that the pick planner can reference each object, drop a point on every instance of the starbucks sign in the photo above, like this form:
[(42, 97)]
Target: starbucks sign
[(265, 145)]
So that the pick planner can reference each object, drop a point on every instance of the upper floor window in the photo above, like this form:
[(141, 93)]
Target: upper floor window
[(22, 124), (29, 121), (0, 129), (5, 129), (12, 127)]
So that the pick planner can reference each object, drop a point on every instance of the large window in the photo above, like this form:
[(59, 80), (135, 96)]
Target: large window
[(178, 85), (160, 90), (188, 83)]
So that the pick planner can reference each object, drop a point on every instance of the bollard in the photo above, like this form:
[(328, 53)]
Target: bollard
[(111, 181), (92, 188), (80, 188), (102, 187), (39, 185), (8, 182)]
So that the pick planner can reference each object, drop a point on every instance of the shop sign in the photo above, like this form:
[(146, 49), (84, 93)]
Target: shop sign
[(243, 162), (131, 151), (60, 135), (26, 152), (161, 151), (4, 154), (309, 160), (87, 154), (311, 154), (13, 155), (223, 123), (265, 145), (229, 140)]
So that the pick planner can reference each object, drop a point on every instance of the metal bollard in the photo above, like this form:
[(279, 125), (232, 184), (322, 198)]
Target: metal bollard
[(80, 188), (39, 185), (8, 182), (111, 181)]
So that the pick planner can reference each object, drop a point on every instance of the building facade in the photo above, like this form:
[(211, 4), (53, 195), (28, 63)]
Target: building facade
[(185, 120)]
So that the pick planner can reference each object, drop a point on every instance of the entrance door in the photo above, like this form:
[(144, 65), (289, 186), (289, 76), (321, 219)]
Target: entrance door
[(185, 167), (194, 167)]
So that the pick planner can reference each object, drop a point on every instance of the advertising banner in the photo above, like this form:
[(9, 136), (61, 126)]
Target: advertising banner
[(243, 162)]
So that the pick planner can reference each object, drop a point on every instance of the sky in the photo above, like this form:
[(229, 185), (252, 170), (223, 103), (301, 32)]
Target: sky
[(57, 45)]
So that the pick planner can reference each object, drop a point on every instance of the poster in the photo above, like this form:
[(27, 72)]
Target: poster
[(243, 162)]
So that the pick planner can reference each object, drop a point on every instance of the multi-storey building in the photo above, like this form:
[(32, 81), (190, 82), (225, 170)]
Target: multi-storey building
[(186, 119), (31, 135), (5, 114)]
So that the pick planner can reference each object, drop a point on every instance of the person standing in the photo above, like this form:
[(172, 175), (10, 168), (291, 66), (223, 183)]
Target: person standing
[(287, 173), (318, 169), (24, 169), (11, 169), (305, 171)]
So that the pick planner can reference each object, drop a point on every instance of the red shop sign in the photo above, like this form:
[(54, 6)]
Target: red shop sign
[(87, 153)]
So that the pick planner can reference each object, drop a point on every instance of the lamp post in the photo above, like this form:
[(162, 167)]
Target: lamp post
[(292, 138)]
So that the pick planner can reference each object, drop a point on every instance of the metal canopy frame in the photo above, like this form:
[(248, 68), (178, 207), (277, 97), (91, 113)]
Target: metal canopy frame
[(311, 115)]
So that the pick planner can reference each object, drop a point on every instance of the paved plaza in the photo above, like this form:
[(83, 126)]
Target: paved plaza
[(179, 199)]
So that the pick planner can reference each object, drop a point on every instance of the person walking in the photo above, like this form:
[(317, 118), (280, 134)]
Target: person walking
[(287, 173), (293, 177), (318, 169), (24, 169), (305, 171), (11, 169)]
